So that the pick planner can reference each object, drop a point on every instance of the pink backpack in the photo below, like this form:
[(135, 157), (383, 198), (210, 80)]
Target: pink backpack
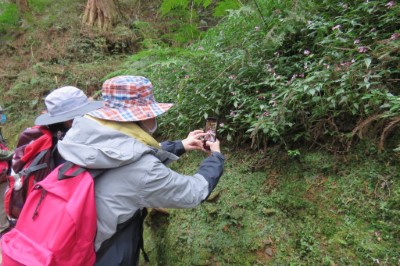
[(57, 225)]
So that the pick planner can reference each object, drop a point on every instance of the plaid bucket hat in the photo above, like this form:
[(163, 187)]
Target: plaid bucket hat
[(128, 99)]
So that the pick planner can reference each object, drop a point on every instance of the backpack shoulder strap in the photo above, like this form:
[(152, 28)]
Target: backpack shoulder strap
[(62, 173), (34, 166)]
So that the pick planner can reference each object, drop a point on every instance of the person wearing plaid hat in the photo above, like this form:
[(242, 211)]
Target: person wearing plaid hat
[(118, 137)]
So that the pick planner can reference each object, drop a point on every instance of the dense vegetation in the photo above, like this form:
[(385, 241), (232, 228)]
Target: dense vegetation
[(307, 93)]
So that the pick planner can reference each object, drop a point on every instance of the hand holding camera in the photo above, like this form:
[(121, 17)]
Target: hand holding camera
[(205, 140), (194, 140), (213, 146)]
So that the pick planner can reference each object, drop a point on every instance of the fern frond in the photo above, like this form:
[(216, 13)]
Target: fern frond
[(225, 5), (204, 3), (169, 5)]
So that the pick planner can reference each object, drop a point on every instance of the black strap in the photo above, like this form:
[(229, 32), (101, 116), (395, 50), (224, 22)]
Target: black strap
[(68, 165), (143, 216), (62, 172), (34, 166), (139, 214), (54, 151)]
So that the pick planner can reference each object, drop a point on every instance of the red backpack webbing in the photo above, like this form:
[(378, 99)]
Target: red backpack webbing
[(32, 161)]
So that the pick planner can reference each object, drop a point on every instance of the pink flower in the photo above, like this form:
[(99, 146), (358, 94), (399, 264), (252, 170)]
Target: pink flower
[(362, 49), (336, 27), (390, 4), (395, 36), (261, 97), (306, 52), (266, 114), (221, 124), (357, 41), (233, 113), (346, 64)]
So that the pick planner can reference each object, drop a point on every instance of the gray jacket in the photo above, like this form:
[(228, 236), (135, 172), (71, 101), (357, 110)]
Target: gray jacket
[(137, 177)]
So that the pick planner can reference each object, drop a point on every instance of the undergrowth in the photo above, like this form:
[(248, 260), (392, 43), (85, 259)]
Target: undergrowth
[(270, 209), (286, 73), (308, 88)]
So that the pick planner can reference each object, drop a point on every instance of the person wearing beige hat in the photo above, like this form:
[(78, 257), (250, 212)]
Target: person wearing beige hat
[(36, 153), (62, 106), (118, 138)]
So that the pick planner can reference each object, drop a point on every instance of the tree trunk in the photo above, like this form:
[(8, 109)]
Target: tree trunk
[(22, 6), (102, 13)]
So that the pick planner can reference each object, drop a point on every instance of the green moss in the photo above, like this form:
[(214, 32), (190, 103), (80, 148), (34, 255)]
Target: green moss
[(276, 216)]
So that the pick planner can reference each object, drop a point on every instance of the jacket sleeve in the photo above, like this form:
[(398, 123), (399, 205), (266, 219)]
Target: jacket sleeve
[(174, 147), (212, 169), (163, 187)]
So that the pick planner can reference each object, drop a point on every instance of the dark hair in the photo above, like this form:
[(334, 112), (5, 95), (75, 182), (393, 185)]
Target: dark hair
[(54, 128)]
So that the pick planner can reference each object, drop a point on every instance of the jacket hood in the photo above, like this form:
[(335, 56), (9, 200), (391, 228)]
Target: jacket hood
[(94, 146)]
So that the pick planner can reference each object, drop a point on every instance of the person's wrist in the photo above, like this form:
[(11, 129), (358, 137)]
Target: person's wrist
[(184, 144)]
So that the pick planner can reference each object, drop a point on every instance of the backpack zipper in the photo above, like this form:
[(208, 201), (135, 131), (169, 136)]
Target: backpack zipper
[(43, 194)]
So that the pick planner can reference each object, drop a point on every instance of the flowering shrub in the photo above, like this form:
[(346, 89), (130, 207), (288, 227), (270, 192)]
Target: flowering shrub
[(314, 72)]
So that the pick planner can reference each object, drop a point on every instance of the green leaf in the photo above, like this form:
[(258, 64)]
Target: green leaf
[(168, 5), (34, 102), (205, 3), (224, 6), (367, 62)]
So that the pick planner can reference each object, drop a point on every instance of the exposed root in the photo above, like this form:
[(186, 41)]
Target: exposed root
[(363, 126), (392, 124)]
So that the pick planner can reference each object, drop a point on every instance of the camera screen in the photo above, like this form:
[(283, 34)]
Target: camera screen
[(211, 130)]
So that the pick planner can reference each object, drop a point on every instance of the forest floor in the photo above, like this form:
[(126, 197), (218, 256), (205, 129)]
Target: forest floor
[(316, 208)]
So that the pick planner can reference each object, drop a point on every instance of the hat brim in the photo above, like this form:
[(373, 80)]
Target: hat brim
[(47, 119), (131, 114)]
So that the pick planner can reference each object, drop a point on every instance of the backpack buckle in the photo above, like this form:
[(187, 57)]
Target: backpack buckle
[(17, 181)]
